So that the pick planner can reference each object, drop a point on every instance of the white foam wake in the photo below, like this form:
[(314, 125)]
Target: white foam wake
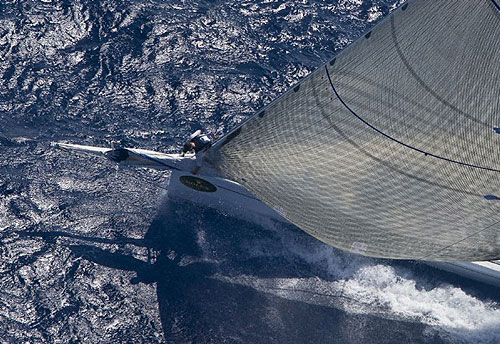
[(363, 285)]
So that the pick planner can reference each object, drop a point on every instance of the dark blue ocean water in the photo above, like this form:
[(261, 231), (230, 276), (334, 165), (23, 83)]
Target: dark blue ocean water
[(94, 254)]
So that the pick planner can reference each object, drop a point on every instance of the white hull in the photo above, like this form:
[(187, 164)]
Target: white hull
[(486, 272), (232, 199)]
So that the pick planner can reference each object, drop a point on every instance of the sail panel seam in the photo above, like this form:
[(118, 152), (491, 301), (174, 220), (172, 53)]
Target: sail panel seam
[(496, 4), (398, 141), (422, 83), (458, 241)]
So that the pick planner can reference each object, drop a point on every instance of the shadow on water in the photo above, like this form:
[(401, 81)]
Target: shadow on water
[(192, 247)]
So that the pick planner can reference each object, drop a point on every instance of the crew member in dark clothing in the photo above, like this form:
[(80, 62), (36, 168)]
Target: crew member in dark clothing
[(199, 143)]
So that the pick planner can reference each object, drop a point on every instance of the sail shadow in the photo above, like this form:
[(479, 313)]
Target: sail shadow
[(219, 278), (188, 247)]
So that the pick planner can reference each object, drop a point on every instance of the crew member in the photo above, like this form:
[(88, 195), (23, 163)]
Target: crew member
[(199, 143)]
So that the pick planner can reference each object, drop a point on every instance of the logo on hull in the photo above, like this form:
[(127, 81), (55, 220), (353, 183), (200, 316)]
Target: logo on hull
[(197, 184)]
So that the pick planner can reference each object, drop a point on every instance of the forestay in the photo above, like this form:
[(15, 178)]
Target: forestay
[(389, 149)]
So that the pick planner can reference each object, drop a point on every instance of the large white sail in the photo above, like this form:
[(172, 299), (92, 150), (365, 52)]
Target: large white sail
[(389, 149)]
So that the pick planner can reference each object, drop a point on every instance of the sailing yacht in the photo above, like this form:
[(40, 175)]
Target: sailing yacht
[(387, 150)]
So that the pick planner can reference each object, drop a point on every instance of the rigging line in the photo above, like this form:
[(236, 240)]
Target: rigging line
[(147, 157), (496, 4), (459, 241), (387, 163), (239, 193), (401, 142)]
